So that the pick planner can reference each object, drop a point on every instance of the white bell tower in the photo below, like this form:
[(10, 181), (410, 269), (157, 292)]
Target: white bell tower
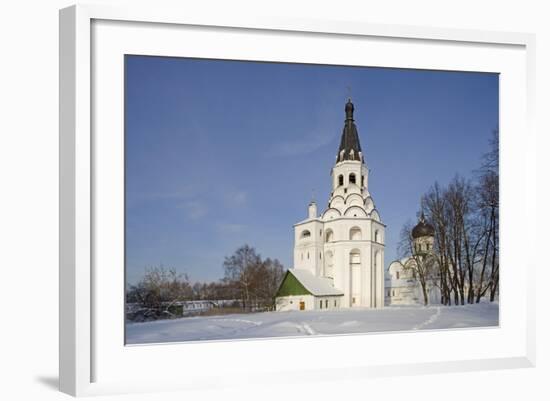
[(346, 243)]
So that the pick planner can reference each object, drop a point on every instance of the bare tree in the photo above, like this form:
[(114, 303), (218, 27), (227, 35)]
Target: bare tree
[(464, 236), (241, 268), (159, 289), (490, 159), (458, 238), (488, 203), (435, 208), (267, 282), (466, 222)]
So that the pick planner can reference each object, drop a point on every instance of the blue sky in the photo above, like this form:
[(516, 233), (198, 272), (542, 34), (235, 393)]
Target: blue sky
[(223, 153)]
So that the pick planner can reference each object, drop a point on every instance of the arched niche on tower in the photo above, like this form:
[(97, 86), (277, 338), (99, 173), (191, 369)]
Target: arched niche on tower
[(329, 235), (355, 256), (305, 234), (377, 236), (355, 234)]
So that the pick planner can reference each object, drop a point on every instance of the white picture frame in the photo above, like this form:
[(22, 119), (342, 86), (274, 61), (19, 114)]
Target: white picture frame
[(94, 361)]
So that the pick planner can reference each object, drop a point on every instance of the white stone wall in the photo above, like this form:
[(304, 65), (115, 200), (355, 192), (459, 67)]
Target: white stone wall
[(327, 302), (402, 288), (292, 302), (348, 234), (308, 250)]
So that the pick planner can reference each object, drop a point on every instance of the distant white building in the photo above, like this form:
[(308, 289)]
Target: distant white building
[(402, 284), (403, 288), (343, 248), (197, 305)]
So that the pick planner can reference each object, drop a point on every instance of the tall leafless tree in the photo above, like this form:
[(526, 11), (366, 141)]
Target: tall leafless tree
[(464, 236), (268, 279), (458, 238), (488, 202), (241, 269), (466, 222), (435, 210)]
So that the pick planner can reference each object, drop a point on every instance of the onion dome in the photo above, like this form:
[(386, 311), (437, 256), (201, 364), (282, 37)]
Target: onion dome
[(349, 149), (423, 229)]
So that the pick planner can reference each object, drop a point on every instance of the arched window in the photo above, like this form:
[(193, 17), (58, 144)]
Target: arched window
[(362, 180), (305, 234), (397, 275), (376, 236), (329, 236), (355, 256), (340, 180), (352, 178), (355, 234)]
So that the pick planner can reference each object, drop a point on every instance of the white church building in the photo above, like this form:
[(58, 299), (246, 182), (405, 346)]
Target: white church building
[(339, 254), (402, 285)]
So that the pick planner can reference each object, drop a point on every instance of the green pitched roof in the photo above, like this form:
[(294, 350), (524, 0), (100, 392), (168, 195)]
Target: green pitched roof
[(291, 286), (302, 282)]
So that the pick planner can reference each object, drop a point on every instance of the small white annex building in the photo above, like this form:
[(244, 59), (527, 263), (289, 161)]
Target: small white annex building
[(301, 290), (344, 246)]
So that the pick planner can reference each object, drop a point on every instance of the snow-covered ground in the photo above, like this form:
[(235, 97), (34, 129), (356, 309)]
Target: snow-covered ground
[(305, 323)]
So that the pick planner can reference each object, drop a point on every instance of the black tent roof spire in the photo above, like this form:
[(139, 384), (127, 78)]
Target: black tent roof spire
[(350, 148), (349, 110)]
